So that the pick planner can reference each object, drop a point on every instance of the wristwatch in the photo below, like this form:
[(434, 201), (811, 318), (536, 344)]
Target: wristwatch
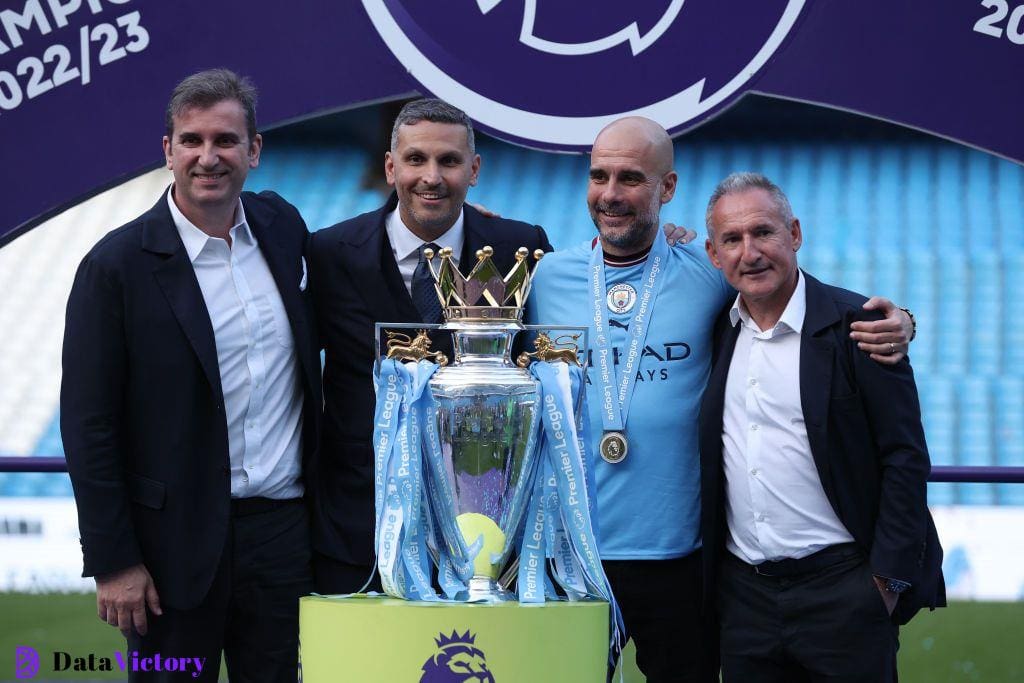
[(894, 585)]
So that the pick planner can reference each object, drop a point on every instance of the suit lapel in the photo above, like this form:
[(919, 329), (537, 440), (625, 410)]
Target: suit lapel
[(817, 351), (177, 279), (714, 394), (366, 254)]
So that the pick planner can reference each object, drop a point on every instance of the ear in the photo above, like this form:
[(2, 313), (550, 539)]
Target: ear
[(168, 160), (709, 247), (389, 169), (475, 170), (255, 147), (668, 187), (796, 234)]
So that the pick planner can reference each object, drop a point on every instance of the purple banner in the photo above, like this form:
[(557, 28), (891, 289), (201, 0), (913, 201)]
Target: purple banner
[(83, 83)]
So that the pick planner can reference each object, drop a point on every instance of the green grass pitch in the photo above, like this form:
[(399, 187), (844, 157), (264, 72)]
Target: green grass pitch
[(969, 641)]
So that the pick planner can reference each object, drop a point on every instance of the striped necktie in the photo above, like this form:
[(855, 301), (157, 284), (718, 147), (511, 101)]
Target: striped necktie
[(424, 296)]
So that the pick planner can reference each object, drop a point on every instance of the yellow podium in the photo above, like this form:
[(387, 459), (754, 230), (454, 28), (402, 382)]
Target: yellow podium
[(380, 639)]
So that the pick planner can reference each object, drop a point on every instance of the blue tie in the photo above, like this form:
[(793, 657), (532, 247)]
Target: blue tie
[(424, 296)]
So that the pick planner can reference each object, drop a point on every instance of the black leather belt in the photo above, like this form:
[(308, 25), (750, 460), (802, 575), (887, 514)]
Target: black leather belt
[(242, 507), (822, 559)]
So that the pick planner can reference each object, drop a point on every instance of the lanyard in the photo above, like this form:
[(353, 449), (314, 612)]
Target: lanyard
[(616, 392)]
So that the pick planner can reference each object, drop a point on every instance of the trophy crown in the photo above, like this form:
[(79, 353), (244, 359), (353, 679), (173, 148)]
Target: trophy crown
[(502, 297)]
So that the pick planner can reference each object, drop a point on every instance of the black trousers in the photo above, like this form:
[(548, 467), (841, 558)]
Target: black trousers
[(825, 625), (251, 612), (333, 577), (661, 607)]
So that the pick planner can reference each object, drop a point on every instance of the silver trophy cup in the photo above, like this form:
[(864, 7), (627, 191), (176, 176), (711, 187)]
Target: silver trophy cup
[(487, 418), (487, 412)]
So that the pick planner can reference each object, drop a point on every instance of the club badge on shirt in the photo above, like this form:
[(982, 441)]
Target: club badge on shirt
[(621, 298)]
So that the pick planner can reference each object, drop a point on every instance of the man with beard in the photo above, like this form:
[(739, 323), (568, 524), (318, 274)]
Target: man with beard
[(650, 358)]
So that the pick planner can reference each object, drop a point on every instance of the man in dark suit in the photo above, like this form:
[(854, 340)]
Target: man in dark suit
[(814, 466), (190, 404), (370, 269)]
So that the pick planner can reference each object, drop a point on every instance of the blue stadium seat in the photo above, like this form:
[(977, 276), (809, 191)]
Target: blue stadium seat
[(890, 217), (980, 219), (976, 430), (935, 227), (950, 218), (953, 332), (986, 313), (1009, 434), (889, 276), (938, 414)]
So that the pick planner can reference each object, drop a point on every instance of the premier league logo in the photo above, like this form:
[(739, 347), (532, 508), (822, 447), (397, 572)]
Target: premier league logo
[(457, 659), (552, 73)]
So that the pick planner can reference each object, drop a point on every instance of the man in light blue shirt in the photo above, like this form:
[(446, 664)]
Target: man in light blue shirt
[(651, 310)]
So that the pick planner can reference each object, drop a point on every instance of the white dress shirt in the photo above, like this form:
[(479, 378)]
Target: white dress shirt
[(775, 505), (256, 358), (405, 245)]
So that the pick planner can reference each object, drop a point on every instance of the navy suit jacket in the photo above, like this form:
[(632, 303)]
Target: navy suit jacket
[(356, 283), (142, 410), (863, 423)]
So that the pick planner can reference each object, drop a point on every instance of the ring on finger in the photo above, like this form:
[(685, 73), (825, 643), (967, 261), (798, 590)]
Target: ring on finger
[(892, 348)]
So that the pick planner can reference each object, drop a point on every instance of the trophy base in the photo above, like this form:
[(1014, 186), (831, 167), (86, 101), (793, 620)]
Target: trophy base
[(486, 590)]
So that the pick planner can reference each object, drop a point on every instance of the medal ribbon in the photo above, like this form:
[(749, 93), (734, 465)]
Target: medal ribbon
[(616, 392)]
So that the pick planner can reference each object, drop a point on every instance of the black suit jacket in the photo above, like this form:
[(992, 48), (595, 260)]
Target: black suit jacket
[(864, 427), (356, 283), (141, 408)]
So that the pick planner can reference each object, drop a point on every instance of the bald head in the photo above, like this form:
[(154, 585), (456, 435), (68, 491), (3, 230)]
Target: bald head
[(641, 137), (631, 177)]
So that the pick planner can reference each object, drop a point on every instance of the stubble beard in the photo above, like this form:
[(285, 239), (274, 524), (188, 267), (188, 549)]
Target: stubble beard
[(635, 237)]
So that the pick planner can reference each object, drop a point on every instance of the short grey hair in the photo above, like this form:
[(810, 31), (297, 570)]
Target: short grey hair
[(434, 111), (741, 182), (207, 88)]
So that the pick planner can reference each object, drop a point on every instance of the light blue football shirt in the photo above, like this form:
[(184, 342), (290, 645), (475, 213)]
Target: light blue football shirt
[(649, 504)]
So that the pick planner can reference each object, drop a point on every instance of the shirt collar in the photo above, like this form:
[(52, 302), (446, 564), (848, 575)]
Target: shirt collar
[(195, 239), (792, 319), (404, 242)]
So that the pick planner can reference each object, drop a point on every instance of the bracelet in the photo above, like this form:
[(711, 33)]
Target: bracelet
[(913, 323)]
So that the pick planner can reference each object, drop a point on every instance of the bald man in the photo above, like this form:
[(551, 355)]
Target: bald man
[(651, 311)]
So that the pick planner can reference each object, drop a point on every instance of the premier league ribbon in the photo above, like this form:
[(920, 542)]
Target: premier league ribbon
[(616, 388), (559, 531), (404, 535), (562, 508)]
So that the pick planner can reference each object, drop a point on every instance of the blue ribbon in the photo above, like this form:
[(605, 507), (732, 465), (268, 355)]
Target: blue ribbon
[(560, 527)]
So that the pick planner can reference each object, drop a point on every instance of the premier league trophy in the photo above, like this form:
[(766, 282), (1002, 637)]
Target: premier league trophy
[(466, 451)]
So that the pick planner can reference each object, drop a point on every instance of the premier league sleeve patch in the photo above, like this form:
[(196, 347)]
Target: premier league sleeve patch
[(621, 298)]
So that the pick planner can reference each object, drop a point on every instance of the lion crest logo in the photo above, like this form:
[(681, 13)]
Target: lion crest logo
[(457, 659)]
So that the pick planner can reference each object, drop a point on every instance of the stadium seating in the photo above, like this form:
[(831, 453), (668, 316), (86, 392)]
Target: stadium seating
[(935, 226)]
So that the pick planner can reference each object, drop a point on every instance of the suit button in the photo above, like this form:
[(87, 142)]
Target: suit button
[(226, 470)]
